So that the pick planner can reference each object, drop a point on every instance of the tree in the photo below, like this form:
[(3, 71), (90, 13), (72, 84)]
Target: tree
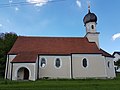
[(6, 42)]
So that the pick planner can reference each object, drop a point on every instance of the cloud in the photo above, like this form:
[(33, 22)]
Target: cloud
[(16, 8), (116, 36), (38, 2), (1, 25), (78, 2), (10, 1)]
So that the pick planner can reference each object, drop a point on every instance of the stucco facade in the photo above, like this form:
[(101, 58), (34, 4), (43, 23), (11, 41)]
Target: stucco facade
[(110, 67), (9, 66), (31, 68), (12, 69), (96, 66), (51, 71), (71, 66)]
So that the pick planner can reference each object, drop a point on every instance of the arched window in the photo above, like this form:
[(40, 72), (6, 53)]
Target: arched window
[(85, 62), (57, 62), (92, 26), (43, 62)]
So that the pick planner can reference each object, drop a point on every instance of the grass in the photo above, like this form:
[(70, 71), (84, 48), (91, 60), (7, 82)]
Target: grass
[(84, 84)]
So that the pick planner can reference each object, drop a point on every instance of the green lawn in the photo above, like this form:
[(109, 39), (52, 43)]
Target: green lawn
[(88, 84)]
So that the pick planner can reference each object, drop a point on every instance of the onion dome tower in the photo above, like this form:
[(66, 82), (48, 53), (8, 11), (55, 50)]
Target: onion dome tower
[(90, 17), (90, 22)]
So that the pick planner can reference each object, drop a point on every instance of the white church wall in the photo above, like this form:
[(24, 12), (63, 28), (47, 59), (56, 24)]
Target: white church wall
[(91, 33), (8, 66), (110, 67), (30, 66), (95, 66), (93, 37), (88, 27), (51, 71)]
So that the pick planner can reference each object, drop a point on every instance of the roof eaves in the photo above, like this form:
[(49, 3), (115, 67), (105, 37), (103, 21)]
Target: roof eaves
[(115, 53), (106, 54)]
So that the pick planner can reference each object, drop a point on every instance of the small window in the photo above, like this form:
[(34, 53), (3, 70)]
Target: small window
[(85, 62), (43, 62), (108, 64), (92, 26), (57, 62)]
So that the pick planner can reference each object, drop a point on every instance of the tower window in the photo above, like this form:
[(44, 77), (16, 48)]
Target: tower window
[(85, 63), (43, 62), (92, 26), (57, 63)]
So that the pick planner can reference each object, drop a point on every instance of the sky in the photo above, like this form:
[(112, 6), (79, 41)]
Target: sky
[(62, 18)]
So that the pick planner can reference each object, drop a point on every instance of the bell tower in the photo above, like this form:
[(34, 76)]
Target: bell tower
[(90, 22)]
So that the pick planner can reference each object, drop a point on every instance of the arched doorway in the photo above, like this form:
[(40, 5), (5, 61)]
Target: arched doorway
[(23, 74)]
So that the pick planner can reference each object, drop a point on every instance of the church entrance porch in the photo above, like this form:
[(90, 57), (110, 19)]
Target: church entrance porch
[(23, 74)]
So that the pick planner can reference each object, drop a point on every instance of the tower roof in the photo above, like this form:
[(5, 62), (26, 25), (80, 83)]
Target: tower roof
[(90, 17)]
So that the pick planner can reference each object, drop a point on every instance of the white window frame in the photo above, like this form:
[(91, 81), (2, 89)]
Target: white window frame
[(55, 62), (45, 62), (87, 63)]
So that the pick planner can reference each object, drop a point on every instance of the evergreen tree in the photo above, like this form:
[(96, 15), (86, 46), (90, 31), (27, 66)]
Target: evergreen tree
[(6, 42)]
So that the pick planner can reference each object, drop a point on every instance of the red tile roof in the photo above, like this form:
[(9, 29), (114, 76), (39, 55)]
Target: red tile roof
[(52, 45), (28, 57)]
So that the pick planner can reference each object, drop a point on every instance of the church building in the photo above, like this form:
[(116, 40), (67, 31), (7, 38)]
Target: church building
[(33, 58)]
